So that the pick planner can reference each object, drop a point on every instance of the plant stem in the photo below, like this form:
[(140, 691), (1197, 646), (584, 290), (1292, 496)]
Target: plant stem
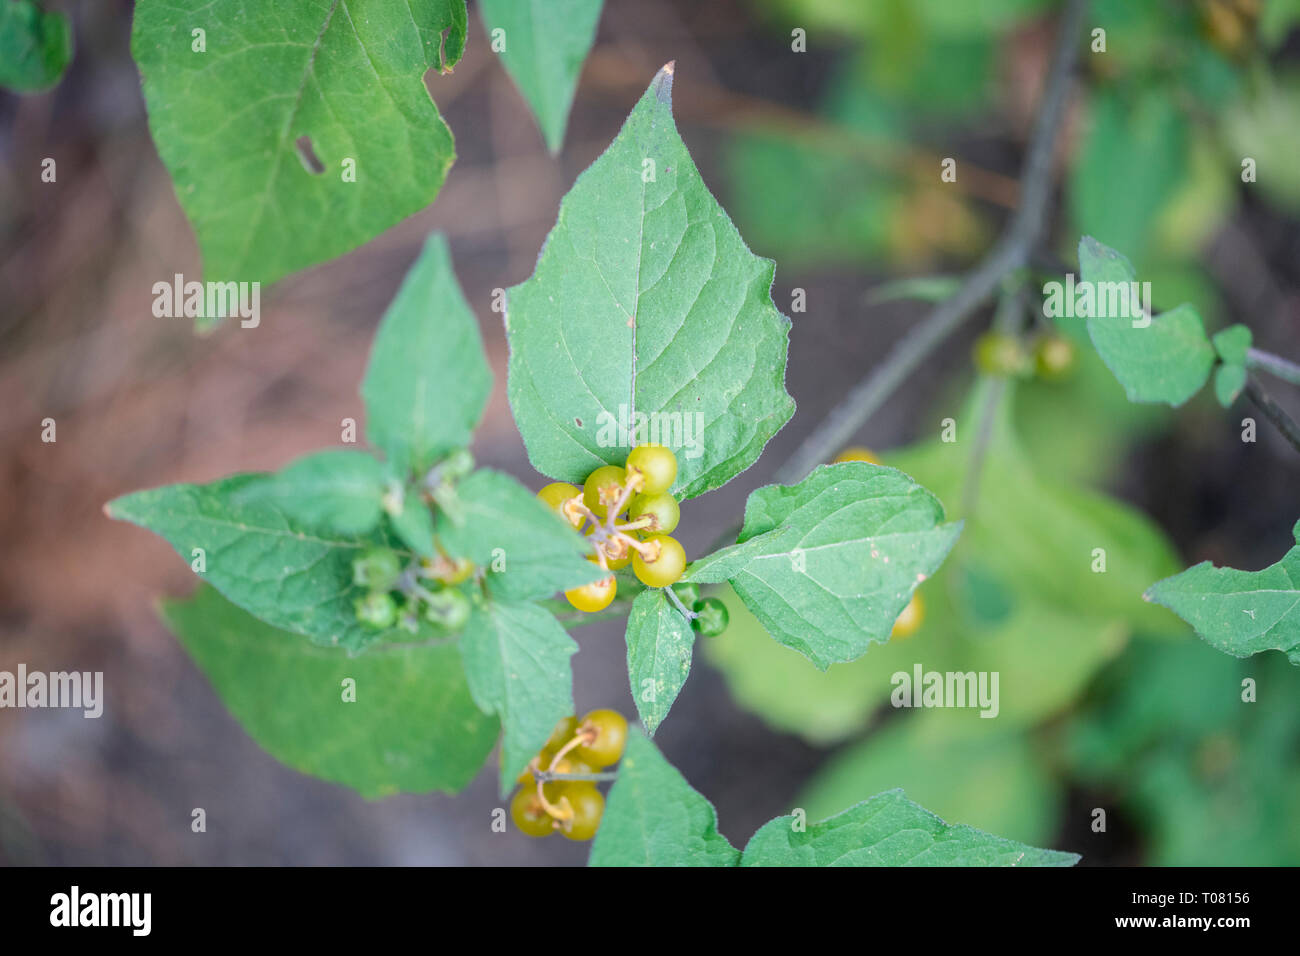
[(686, 612), (1011, 252), (1283, 422), (1275, 365), (997, 387), (546, 777)]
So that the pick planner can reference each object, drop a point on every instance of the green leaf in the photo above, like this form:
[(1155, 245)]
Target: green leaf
[(529, 551), (964, 767), (517, 662), (1164, 358), (1212, 784), (428, 379), (1132, 159), (1262, 127), (865, 537), (659, 645), (412, 727), (349, 78), (339, 490), (1229, 380), (414, 524), (1049, 655), (647, 309), (730, 561), (35, 46), (889, 830), (546, 42), (1040, 536), (259, 557), (1019, 594), (922, 288), (653, 817), (1232, 344), (1239, 612)]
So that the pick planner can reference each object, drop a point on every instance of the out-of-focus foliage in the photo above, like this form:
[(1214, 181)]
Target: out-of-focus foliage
[(846, 190), (1171, 106), (964, 768), (1096, 690), (1209, 779)]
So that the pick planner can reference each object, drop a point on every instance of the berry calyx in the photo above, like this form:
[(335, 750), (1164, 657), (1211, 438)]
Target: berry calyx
[(662, 511), (999, 354), (604, 734), (660, 562), (449, 571), (595, 596), (556, 494), (909, 621), (377, 610), (529, 813), (588, 806), (1054, 357), (377, 569), (711, 617), (856, 453), (603, 488), (657, 466)]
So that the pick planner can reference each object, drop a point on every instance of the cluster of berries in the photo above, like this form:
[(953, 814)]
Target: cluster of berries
[(1052, 356), (627, 512), (575, 749), (400, 596)]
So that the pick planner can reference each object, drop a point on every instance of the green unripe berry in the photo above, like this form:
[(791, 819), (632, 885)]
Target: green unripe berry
[(664, 564), (605, 732), (605, 477), (376, 568), (999, 354), (661, 508), (1054, 357), (711, 617), (588, 807), (657, 466), (377, 610), (529, 814), (448, 609), (688, 592), (457, 465), (556, 494), (562, 734)]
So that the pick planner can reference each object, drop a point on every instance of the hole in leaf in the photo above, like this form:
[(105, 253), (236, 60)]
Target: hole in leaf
[(442, 52), (310, 162)]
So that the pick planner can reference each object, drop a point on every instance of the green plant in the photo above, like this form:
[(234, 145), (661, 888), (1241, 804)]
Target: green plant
[(1168, 358), (402, 603), (412, 551)]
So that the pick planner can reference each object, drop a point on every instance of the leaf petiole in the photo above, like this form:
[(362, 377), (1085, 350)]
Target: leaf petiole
[(686, 612)]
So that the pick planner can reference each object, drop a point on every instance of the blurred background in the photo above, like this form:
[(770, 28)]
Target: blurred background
[(828, 162)]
